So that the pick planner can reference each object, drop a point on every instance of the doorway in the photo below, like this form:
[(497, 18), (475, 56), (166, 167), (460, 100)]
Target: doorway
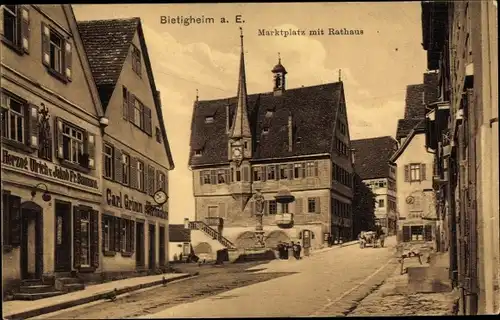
[(31, 241), (162, 247), (139, 244), (152, 247), (62, 236)]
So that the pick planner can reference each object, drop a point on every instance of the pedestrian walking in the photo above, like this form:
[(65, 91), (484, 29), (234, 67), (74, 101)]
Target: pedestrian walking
[(299, 249), (281, 250)]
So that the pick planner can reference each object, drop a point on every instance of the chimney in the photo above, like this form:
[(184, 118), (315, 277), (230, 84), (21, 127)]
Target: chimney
[(186, 223), (290, 132)]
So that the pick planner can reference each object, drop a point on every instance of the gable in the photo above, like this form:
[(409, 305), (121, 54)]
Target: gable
[(372, 156)]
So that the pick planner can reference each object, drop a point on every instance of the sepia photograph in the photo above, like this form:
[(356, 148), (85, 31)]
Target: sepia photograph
[(235, 160)]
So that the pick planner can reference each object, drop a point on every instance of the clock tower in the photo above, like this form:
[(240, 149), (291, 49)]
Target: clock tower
[(240, 140)]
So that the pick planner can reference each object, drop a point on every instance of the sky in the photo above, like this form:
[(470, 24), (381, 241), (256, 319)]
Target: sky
[(375, 67)]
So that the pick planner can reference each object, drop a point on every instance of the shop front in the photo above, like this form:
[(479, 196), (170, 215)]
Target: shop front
[(49, 218), (134, 231)]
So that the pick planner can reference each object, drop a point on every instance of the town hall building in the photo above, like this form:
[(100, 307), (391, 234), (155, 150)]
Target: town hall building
[(291, 141)]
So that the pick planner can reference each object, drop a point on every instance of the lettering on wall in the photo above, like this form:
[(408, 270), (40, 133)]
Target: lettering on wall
[(124, 201), (47, 169)]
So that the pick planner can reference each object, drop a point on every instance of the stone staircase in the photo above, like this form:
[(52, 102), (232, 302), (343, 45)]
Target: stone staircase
[(35, 289), (214, 234)]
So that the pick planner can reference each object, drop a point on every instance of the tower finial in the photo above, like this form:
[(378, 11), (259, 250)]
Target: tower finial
[(279, 58), (340, 75), (196, 94), (241, 36)]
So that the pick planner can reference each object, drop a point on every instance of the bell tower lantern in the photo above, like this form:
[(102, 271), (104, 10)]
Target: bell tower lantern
[(279, 77)]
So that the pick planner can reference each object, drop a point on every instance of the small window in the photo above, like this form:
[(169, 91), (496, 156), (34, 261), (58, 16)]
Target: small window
[(107, 233), (14, 119), (265, 130), (283, 171), (11, 30), (271, 174), (125, 169), (205, 176), (198, 153), (56, 52), (158, 135), (414, 172), (108, 161), (138, 113), (238, 175), (136, 60), (73, 144), (256, 174), (221, 176), (162, 182), (269, 113), (381, 203), (140, 176), (273, 207), (209, 119)]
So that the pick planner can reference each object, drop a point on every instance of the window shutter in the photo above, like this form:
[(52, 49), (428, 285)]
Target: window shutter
[(123, 228), (94, 236), (227, 174), (104, 160), (246, 174), (117, 232), (423, 171), (428, 232), (68, 56), (166, 182), (147, 121), (222, 210), (316, 170), (59, 137), (131, 107), (406, 233), (118, 166), (77, 237), (317, 205), (125, 103), (133, 172), (151, 180), (158, 180), (263, 173), (132, 235), (277, 172), (90, 148), (103, 232), (45, 44), (407, 173), (266, 207), (290, 171), (34, 128), (25, 29), (298, 205), (15, 220)]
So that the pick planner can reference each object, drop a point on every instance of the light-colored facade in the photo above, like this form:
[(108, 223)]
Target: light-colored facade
[(136, 157), (385, 200), (51, 181), (415, 199)]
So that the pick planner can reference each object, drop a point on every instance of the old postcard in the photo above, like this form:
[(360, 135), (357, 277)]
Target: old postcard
[(249, 159)]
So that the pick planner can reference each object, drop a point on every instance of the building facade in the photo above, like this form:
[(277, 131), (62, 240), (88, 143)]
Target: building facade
[(372, 163), (263, 142), (179, 246), (415, 199), (462, 133), (136, 154), (51, 112)]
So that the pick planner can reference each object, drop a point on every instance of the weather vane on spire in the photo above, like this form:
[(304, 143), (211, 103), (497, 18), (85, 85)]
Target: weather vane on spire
[(196, 94)]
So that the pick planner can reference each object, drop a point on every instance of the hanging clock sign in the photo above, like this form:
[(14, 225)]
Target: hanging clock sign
[(160, 197)]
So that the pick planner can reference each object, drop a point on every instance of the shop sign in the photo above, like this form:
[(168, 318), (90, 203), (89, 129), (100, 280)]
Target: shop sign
[(47, 169), (124, 201)]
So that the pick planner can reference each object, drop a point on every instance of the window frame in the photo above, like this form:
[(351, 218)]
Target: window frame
[(271, 171), (272, 207), (136, 60), (73, 128), (7, 109), (283, 173), (257, 173), (221, 173), (415, 168), (125, 168), (140, 177), (311, 204)]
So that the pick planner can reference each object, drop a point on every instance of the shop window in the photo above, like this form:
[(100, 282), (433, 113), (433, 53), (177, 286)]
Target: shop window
[(127, 236), (108, 161), (11, 220), (85, 239)]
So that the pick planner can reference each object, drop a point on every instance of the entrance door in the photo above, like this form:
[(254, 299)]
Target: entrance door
[(139, 244), (63, 237), (306, 239), (152, 246), (162, 247), (31, 242)]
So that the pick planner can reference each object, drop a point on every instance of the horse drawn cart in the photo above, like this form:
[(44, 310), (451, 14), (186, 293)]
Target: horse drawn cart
[(370, 238)]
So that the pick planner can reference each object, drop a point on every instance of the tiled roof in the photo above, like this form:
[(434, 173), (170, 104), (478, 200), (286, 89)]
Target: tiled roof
[(313, 111), (417, 97), (372, 155), (177, 233), (107, 44)]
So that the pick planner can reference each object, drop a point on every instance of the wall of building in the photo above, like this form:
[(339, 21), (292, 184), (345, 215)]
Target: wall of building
[(175, 249)]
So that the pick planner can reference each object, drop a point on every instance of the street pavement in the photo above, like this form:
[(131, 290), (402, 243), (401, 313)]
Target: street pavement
[(326, 284)]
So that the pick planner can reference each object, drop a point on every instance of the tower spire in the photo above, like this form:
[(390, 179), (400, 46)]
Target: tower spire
[(241, 126), (340, 75)]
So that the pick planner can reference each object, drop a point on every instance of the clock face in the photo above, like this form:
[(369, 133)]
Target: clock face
[(160, 197), (410, 200), (237, 152)]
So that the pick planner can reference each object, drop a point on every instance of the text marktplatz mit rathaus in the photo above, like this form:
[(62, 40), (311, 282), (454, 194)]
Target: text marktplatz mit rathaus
[(313, 32)]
